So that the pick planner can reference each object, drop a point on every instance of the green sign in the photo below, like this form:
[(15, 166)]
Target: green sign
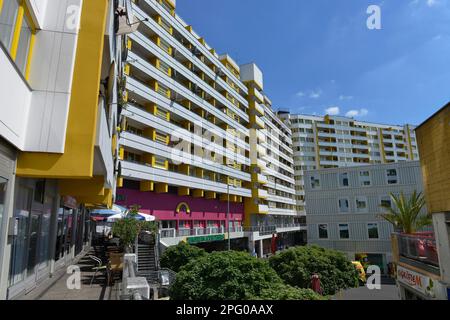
[(215, 237)]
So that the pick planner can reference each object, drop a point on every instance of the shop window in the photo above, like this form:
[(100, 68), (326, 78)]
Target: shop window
[(39, 191), (344, 232), (323, 231)]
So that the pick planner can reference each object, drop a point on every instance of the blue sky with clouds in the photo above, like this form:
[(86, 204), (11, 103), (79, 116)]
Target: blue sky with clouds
[(319, 55)]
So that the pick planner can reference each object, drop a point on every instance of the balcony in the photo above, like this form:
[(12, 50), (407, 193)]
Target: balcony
[(262, 194), (260, 178), (418, 250), (188, 232)]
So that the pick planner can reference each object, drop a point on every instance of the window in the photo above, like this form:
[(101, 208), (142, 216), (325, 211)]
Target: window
[(344, 232), (361, 204), (3, 186), (385, 202), (364, 178), (372, 229), (343, 205), (343, 179), (8, 15), (16, 33), (323, 231), (315, 182), (392, 176), (24, 46)]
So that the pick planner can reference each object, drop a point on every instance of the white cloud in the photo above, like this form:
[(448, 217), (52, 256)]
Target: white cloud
[(300, 94), (357, 113), (333, 111), (342, 97), (315, 94), (431, 3)]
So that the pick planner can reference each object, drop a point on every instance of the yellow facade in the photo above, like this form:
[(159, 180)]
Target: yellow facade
[(433, 138)]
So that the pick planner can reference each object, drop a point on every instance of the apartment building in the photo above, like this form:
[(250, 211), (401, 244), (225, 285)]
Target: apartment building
[(345, 207), (423, 260), (184, 144), (334, 141), (271, 210), (193, 142), (58, 124)]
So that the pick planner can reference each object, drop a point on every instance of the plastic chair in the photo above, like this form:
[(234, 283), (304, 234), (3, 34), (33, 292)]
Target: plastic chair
[(97, 268)]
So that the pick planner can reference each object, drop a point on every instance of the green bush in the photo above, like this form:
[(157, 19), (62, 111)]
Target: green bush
[(296, 266), (286, 292), (177, 256), (229, 275)]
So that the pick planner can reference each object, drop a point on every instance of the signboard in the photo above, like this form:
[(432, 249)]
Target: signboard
[(211, 238), (427, 286)]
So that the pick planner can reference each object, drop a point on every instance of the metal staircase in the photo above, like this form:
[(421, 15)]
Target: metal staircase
[(147, 259)]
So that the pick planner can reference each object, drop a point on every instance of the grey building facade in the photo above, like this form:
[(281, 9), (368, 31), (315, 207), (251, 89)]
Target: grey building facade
[(344, 207)]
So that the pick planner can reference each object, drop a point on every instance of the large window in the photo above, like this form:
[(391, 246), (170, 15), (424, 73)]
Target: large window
[(16, 33), (8, 16), (344, 232), (3, 186)]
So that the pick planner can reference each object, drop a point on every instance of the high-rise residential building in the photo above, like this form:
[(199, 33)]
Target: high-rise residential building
[(58, 134), (345, 207), (335, 141), (189, 148)]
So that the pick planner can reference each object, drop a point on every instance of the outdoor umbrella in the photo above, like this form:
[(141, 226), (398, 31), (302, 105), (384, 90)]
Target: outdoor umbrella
[(138, 216)]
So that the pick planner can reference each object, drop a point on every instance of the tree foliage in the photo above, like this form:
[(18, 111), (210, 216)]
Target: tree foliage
[(229, 275), (178, 256), (296, 266), (405, 213), (287, 292), (128, 228)]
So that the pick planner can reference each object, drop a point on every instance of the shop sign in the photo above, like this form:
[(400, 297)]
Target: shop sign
[(425, 285), (211, 238)]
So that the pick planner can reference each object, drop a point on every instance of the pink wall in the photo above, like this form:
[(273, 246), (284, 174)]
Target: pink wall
[(163, 206)]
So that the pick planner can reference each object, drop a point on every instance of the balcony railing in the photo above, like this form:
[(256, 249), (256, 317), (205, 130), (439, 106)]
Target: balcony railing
[(420, 247), (187, 232)]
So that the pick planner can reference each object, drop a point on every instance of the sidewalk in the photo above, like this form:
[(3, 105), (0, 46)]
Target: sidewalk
[(59, 290)]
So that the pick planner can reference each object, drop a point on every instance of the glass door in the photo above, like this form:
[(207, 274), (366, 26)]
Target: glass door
[(33, 243)]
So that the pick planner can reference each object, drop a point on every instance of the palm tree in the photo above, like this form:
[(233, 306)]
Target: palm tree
[(405, 214)]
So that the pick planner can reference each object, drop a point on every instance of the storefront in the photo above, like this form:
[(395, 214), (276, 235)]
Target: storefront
[(34, 216), (417, 286), (7, 180)]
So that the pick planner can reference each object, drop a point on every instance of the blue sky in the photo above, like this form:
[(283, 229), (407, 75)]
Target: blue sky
[(319, 54)]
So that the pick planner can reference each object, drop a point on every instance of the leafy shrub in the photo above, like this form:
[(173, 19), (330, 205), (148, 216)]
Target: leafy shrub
[(177, 256), (296, 266), (229, 275)]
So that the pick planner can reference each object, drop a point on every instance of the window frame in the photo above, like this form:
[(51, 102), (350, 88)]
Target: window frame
[(361, 181), (318, 231), (366, 210), (23, 14), (339, 206), (348, 230), (387, 177), (341, 181), (378, 230)]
